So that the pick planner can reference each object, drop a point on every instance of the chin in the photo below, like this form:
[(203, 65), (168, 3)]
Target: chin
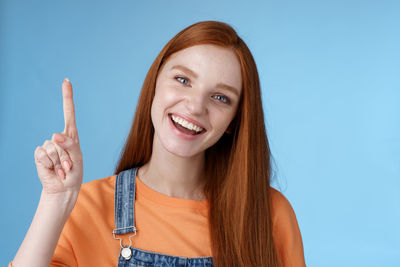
[(183, 153)]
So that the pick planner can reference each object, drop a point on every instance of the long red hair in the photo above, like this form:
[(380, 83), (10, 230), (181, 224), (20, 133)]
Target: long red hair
[(238, 166)]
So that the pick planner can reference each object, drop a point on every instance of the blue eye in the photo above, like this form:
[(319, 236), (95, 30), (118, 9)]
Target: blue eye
[(222, 98), (182, 80)]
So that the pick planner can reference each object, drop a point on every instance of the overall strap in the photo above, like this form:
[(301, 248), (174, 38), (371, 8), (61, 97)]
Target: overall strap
[(125, 202)]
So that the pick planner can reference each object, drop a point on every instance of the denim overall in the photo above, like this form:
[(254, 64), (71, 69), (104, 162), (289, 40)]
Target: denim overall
[(125, 223)]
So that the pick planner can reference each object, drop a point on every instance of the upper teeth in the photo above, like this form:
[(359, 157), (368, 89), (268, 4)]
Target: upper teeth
[(186, 124)]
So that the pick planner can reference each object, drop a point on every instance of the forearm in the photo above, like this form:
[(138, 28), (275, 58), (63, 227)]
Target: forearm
[(41, 239)]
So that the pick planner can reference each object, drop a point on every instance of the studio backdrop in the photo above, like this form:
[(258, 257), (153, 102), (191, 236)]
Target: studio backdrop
[(330, 77)]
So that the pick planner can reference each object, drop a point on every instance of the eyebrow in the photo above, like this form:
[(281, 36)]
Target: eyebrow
[(194, 74), (185, 69), (229, 88)]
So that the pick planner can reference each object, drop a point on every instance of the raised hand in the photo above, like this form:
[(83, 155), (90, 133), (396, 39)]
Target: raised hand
[(59, 160), (60, 169)]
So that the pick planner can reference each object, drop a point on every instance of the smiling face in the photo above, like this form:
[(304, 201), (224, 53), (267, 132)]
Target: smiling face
[(196, 97)]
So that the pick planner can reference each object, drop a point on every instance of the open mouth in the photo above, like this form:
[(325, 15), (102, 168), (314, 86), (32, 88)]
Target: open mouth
[(185, 126)]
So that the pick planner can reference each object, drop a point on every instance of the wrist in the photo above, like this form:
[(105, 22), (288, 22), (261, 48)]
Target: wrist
[(63, 200)]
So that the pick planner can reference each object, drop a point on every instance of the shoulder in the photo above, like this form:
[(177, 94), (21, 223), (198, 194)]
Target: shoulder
[(280, 206), (91, 218), (106, 181), (286, 230), (95, 200), (95, 194), (98, 187)]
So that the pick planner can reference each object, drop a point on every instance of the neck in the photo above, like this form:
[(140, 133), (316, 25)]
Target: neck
[(180, 177)]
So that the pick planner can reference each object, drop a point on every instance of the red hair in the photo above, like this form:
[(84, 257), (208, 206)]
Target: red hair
[(238, 166)]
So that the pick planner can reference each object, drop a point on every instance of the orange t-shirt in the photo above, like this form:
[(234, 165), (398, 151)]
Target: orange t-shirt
[(165, 224)]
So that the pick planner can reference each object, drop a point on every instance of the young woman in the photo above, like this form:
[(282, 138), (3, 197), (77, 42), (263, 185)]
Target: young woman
[(192, 186)]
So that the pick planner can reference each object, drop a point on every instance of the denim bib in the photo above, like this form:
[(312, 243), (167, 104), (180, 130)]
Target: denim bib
[(125, 223)]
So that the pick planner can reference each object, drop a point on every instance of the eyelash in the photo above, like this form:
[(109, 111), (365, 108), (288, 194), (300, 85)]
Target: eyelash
[(223, 99), (220, 97), (178, 78)]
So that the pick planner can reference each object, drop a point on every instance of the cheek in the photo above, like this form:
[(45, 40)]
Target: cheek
[(157, 106), (166, 96), (159, 102), (164, 99), (153, 112), (222, 121)]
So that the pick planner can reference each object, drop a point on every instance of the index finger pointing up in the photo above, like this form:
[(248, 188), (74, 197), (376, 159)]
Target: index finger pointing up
[(69, 110)]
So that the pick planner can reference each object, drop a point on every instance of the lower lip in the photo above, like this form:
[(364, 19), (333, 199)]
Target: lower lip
[(181, 134)]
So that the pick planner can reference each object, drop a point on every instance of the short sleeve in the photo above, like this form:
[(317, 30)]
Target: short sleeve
[(286, 231), (63, 254)]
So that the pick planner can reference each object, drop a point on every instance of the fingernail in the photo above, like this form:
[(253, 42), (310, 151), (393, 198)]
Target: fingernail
[(60, 173), (66, 165), (59, 138), (67, 79)]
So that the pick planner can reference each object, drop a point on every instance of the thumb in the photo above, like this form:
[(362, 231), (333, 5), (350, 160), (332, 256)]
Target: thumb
[(70, 145)]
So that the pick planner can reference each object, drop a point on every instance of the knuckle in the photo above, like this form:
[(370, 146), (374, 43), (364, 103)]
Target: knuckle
[(59, 149), (51, 151), (43, 159), (36, 156), (57, 166), (41, 154), (52, 154), (37, 151), (65, 158), (46, 163)]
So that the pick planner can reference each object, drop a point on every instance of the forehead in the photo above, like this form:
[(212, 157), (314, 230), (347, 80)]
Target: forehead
[(214, 63)]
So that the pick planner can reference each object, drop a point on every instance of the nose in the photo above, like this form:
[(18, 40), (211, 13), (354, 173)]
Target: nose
[(196, 104)]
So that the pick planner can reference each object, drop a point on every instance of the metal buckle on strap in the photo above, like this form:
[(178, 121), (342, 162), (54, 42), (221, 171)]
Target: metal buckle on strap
[(125, 251), (123, 228)]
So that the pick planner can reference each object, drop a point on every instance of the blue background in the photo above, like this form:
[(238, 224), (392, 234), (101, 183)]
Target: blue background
[(330, 75)]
